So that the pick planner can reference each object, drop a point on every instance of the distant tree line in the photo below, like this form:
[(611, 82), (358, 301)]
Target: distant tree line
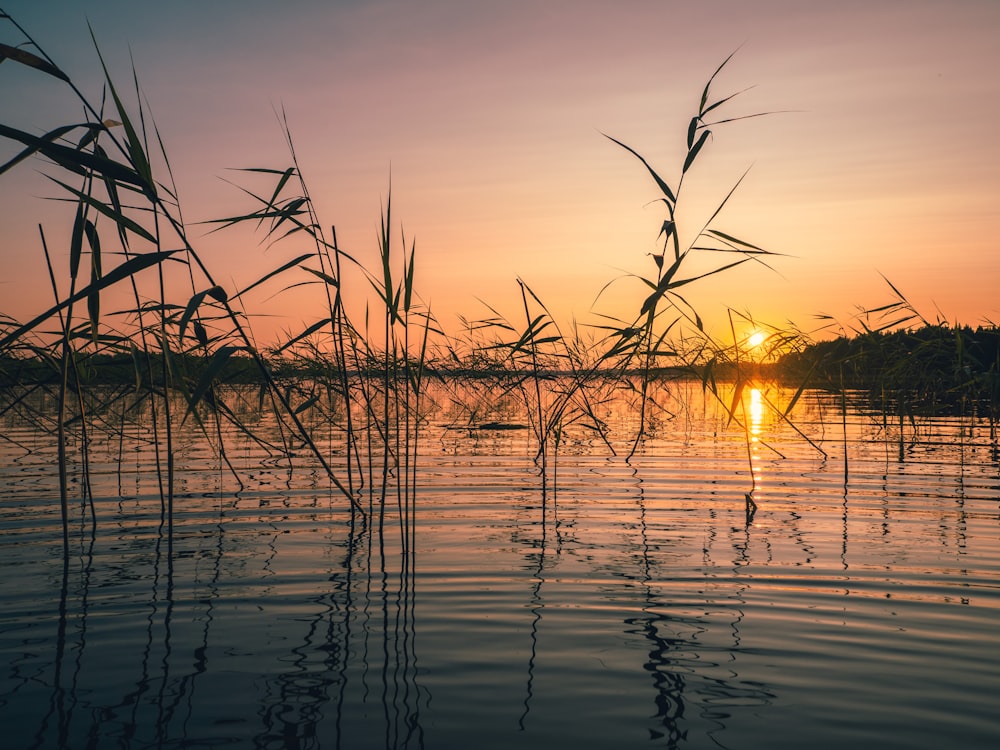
[(929, 368), (141, 368)]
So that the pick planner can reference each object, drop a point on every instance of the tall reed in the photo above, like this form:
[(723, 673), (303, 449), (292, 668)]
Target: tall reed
[(665, 336), (645, 340), (119, 189)]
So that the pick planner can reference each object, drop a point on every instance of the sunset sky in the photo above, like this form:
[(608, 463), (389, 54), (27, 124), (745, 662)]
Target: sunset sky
[(881, 157)]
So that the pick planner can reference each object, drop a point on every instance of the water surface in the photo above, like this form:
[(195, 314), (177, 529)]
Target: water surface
[(632, 606)]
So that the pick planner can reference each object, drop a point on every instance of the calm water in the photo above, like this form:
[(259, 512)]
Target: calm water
[(634, 607)]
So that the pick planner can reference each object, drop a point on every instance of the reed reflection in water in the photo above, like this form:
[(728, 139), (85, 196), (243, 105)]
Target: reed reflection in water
[(634, 606)]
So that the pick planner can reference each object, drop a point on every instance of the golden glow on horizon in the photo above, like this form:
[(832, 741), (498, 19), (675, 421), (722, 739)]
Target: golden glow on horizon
[(756, 422), (754, 340), (756, 413)]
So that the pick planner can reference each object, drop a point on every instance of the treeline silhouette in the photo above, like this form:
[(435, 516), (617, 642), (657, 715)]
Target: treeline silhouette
[(931, 368)]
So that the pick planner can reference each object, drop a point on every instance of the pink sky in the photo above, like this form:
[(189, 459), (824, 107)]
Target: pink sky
[(490, 118)]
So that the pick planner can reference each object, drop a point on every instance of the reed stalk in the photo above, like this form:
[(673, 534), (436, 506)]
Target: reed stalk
[(61, 404)]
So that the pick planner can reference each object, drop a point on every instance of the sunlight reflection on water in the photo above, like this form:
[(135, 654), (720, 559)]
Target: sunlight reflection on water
[(633, 606)]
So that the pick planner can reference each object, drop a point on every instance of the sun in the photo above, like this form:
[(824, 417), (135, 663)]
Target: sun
[(756, 338)]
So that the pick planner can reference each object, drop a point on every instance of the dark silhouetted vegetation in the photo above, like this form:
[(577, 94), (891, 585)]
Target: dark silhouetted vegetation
[(929, 369)]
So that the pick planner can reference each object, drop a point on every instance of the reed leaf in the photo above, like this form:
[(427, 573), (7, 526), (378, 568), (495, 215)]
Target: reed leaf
[(695, 149), (189, 310), (665, 282), (72, 159), (76, 242), (308, 403), (135, 150), (692, 131), (279, 270), (702, 110), (408, 277), (94, 130), (668, 194), (218, 294), (699, 277), (736, 241), (285, 176), (94, 298), (31, 60), (33, 148), (305, 334), (115, 214), (722, 204), (327, 278), (666, 232), (111, 187), (200, 333)]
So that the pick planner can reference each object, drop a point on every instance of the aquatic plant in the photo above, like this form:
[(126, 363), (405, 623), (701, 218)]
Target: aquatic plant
[(646, 339), (665, 338), (124, 181)]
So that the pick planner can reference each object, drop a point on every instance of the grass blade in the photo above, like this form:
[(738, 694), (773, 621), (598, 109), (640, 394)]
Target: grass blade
[(31, 60), (664, 188)]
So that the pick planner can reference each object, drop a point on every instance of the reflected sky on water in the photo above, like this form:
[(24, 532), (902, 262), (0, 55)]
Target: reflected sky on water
[(632, 605)]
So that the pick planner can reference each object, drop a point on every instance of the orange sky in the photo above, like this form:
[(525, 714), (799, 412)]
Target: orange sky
[(490, 116)]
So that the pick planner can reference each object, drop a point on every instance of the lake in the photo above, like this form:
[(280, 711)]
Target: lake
[(632, 604)]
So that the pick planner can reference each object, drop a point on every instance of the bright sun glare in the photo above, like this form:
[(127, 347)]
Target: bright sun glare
[(756, 338)]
